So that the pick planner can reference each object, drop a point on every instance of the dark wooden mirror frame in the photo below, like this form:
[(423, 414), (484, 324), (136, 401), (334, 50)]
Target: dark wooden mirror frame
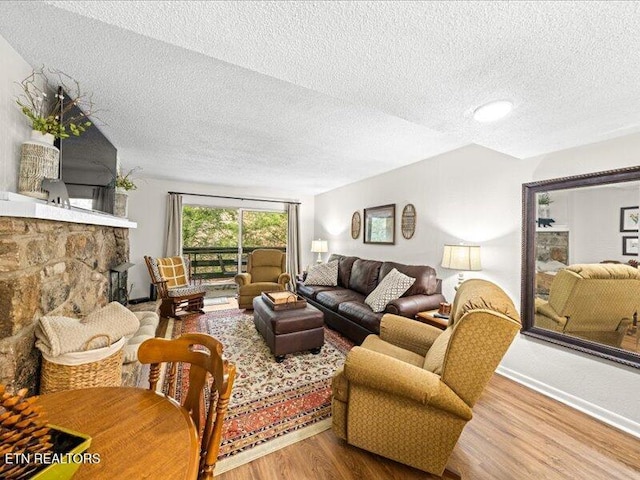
[(529, 210)]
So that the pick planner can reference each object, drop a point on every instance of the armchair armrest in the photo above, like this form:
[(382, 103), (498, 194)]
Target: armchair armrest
[(284, 279), (161, 286), (395, 377), (409, 306), (242, 279), (554, 321), (408, 334)]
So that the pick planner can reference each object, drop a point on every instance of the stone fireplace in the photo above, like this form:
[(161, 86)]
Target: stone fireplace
[(50, 267)]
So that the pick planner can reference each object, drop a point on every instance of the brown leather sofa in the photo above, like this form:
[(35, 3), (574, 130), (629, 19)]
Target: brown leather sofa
[(344, 308)]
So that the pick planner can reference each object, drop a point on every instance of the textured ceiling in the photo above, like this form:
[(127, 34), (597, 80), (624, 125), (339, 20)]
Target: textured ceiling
[(308, 96)]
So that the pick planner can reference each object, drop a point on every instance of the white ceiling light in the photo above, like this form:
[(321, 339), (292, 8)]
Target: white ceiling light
[(493, 111)]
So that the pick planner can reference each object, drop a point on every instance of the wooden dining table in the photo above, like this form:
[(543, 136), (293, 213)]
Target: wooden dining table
[(136, 433)]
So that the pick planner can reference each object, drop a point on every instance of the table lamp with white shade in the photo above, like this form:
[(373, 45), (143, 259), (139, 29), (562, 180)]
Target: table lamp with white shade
[(461, 257), (319, 247)]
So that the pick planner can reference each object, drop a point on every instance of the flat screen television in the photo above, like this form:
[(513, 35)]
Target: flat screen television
[(88, 165)]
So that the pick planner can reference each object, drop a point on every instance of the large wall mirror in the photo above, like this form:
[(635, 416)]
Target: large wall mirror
[(580, 277)]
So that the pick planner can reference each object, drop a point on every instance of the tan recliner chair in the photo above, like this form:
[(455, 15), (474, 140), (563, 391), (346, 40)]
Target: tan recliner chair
[(408, 393), (265, 273), (591, 301)]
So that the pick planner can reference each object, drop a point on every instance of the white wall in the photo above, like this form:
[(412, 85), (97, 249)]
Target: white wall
[(147, 206), (595, 223), (14, 125), (454, 203), (474, 195)]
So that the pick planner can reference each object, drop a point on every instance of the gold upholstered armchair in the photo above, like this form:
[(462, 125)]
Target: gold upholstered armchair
[(591, 301), (265, 273), (408, 393)]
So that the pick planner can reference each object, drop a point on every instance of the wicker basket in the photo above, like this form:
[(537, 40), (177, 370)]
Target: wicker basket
[(105, 372)]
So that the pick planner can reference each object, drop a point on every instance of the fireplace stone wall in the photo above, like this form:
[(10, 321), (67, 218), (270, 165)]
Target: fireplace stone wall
[(49, 267)]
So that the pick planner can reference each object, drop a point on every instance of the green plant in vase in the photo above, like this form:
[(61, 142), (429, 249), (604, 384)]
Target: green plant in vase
[(125, 182), (544, 203), (44, 103), (49, 99), (544, 199)]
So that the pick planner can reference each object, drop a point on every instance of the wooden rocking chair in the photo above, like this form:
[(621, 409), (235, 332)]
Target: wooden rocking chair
[(170, 275)]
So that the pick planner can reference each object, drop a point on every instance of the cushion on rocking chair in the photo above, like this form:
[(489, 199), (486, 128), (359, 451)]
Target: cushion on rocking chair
[(172, 269), (184, 291)]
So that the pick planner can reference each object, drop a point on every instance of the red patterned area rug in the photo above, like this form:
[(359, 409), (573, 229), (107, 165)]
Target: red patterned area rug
[(273, 404)]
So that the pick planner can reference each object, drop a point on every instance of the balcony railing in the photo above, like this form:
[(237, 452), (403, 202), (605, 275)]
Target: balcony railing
[(218, 262)]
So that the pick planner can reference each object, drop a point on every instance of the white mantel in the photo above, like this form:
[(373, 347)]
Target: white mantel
[(16, 205), (553, 228)]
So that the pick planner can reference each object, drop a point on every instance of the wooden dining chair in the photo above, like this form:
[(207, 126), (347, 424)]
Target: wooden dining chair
[(185, 349)]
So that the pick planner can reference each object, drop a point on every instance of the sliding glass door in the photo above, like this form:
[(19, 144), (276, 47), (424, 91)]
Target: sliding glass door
[(210, 240), (217, 240), (261, 229)]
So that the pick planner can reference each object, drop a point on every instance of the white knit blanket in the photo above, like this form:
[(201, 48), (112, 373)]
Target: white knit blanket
[(58, 335)]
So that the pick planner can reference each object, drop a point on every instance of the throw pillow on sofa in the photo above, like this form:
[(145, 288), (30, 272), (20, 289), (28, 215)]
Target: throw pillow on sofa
[(392, 287), (325, 274)]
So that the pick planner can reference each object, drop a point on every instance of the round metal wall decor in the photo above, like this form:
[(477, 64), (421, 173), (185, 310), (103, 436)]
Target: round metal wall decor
[(408, 226), (355, 225)]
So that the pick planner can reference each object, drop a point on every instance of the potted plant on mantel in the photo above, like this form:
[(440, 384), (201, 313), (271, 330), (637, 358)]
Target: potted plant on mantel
[(124, 183), (47, 100), (544, 203)]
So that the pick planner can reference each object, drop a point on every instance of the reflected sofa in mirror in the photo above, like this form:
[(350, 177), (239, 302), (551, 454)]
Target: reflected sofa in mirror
[(580, 281)]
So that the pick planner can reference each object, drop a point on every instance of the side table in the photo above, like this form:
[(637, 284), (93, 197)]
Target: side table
[(429, 318)]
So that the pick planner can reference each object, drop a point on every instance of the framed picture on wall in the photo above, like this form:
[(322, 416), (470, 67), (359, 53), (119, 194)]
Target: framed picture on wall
[(630, 246), (380, 225), (629, 219)]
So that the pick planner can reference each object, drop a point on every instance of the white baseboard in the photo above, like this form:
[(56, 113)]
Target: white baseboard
[(602, 414)]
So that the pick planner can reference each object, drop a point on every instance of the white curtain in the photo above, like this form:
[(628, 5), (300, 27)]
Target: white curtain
[(293, 243), (173, 240)]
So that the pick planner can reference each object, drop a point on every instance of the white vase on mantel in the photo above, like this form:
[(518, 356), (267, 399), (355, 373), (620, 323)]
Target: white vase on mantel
[(39, 159), (544, 211), (121, 204)]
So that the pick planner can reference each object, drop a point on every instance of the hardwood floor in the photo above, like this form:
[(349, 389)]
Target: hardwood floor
[(516, 434)]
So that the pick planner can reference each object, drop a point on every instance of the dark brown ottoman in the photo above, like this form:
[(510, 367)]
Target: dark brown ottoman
[(289, 331)]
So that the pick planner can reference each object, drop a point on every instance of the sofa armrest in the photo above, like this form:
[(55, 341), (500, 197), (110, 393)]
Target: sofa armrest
[(395, 377), (242, 279), (408, 334), (284, 279), (409, 306), (298, 285)]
